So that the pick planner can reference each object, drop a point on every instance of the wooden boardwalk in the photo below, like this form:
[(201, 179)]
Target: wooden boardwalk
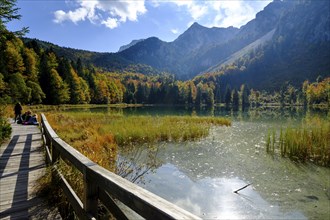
[(22, 163)]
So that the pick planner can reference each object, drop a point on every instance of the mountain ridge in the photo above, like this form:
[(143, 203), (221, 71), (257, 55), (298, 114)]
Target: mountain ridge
[(283, 35), (132, 43)]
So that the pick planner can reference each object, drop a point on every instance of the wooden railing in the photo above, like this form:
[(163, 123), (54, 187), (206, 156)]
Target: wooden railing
[(101, 185)]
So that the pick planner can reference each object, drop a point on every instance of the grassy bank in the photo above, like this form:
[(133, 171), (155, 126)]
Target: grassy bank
[(308, 142)]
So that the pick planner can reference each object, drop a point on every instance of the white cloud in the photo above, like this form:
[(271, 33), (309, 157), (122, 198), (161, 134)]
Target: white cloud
[(221, 13), (197, 9), (60, 16), (112, 13), (232, 13), (109, 13), (124, 10), (110, 23)]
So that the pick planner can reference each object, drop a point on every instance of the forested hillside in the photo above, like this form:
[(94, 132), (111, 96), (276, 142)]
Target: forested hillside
[(105, 61), (32, 75), (32, 71)]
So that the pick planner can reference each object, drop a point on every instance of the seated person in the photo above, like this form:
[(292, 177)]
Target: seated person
[(20, 119), (23, 117), (32, 120), (27, 116)]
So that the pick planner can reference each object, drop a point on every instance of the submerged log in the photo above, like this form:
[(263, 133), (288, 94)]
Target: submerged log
[(236, 191)]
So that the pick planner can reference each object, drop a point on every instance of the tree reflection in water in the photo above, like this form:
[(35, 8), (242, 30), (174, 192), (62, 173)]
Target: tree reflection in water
[(135, 161)]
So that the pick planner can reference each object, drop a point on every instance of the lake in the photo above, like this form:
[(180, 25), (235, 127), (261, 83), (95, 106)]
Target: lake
[(201, 176)]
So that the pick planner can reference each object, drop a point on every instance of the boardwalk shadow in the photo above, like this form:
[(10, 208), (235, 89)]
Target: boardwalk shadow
[(7, 153), (20, 205)]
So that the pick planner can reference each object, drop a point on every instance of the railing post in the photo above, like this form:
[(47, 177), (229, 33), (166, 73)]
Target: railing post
[(90, 195), (55, 159), (48, 142), (55, 153), (44, 138)]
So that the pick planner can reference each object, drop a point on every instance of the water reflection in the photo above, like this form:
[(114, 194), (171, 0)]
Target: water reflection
[(134, 162), (213, 198), (248, 114)]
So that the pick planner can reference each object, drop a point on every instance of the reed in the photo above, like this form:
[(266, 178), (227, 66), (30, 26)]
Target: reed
[(268, 142), (98, 135), (309, 142), (147, 129), (273, 141), (84, 134)]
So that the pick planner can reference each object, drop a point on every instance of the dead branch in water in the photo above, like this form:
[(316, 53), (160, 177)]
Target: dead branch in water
[(236, 191)]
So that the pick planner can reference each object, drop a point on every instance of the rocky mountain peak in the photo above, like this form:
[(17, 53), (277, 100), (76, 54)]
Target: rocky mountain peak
[(133, 42)]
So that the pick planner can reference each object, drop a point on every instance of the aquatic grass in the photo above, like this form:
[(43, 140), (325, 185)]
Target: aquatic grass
[(281, 143), (97, 135), (268, 141), (273, 141), (307, 142), (146, 129), (84, 134)]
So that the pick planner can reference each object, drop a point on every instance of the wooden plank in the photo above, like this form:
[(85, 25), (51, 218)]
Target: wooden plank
[(48, 129), (90, 196), (111, 205), (76, 158), (49, 159), (22, 163)]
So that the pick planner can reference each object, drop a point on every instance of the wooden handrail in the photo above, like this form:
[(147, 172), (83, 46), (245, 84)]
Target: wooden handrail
[(102, 185)]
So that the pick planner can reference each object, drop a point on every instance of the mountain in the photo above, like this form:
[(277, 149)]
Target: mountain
[(265, 21), (133, 42), (198, 37), (195, 42), (298, 50), (200, 48), (288, 41), (242, 52), (174, 57)]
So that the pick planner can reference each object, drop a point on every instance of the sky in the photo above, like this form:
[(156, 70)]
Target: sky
[(105, 25)]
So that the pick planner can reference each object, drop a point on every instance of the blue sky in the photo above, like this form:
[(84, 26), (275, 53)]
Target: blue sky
[(105, 25)]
